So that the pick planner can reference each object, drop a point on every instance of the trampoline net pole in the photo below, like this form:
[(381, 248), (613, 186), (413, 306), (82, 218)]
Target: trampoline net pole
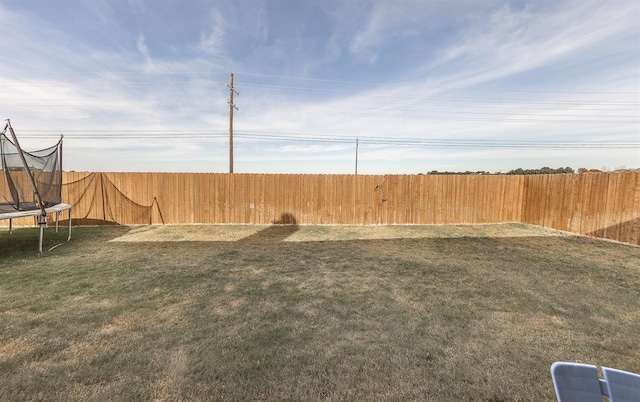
[(36, 193)]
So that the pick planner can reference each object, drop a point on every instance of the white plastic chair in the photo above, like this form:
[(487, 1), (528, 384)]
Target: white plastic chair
[(623, 386), (576, 382)]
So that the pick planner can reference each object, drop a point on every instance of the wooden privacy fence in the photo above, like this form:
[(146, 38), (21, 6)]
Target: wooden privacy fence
[(184, 198), (605, 205), (597, 204)]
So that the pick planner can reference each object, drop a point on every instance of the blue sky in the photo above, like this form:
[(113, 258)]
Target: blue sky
[(140, 85)]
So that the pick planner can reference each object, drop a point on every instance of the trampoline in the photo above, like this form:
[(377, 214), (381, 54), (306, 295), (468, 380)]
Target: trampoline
[(31, 183)]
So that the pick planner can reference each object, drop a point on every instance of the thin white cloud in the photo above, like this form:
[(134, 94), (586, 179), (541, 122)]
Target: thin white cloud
[(141, 45), (130, 83), (137, 6), (513, 41), (211, 42)]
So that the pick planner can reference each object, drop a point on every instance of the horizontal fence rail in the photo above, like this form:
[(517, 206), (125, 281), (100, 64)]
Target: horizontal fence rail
[(605, 205)]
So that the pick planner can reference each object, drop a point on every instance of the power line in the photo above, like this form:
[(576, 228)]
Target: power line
[(181, 135), (311, 90), (290, 78), (483, 102), (443, 142), (469, 117)]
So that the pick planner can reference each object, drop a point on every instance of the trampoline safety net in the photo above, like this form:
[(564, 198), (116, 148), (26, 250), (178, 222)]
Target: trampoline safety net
[(16, 186)]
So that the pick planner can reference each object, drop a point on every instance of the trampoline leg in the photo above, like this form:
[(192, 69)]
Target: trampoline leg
[(10, 226), (57, 215), (69, 238), (42, 222), (40, 242)]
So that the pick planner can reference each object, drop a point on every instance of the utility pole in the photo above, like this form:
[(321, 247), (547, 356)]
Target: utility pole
[(356, 156), (232, 106)]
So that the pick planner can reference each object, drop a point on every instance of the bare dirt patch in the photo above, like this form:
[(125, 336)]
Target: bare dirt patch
[(231, 233)]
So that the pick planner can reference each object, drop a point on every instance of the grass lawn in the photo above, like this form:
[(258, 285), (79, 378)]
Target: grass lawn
[(442, 313)]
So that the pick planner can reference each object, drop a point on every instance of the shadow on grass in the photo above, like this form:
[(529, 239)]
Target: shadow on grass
[(280, 229), (89, 222), (24, 241)]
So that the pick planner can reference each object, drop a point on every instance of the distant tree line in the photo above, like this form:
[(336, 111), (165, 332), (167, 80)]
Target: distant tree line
[(544, 170), (519, 171), (467, 172), (585, 170)]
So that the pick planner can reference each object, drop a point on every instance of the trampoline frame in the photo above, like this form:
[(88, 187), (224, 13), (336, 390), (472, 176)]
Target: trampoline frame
[(41, 210), (42, 221)]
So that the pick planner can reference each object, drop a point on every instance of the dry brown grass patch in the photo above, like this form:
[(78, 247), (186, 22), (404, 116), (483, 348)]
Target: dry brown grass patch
[(444, 313)]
